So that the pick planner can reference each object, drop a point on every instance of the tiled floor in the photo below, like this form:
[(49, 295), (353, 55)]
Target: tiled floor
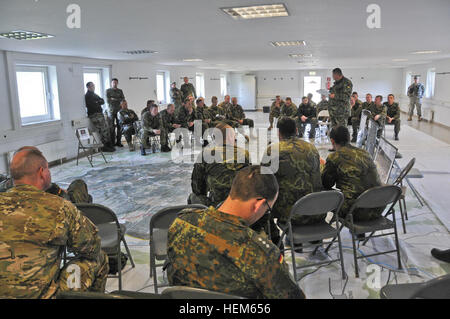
[(135, 187)]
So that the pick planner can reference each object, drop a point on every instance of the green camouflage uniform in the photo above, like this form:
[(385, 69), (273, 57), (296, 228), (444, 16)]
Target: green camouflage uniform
[(151, 123), (95, 113), (236, 113), (126, 119), (289, 111), (188, 90), (202, 113), (367, 105), (183, 118), (114, 97), (378, 110), (275, 112), (211, 182), (221, 115), (177, 98), (339, 107), (415, 94), (355, 117), (353, 171), (394, 112), (35, 228), (167, 121), (212, 250), (76, 193), (322, 106)]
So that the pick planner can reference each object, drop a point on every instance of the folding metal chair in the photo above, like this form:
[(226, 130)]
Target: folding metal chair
[(179, 292), (88, 143), (110, 231), (438, 288), (384, 159), (377, 197), (312, 205), (362, 133), (324, 119), (155, 143), (159, 227), (371, 142)]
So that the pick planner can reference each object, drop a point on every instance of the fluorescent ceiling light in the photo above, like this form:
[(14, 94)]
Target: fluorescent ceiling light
[(288, 43), (399, 60), (302, 55), (25, 35), (255, 12), (426, 52), (192, 60), (133, 52)]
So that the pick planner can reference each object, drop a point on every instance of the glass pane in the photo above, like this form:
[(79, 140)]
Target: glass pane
[(32, 94), (311, 85), (223, 85), (95, 78), (160, 88)]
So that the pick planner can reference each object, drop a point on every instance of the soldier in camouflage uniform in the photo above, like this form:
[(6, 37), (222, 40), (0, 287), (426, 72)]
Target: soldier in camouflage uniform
[(202, 113), (176, 96), (275, 110), (322, 106), (415, 93), (339, 103), (355, 116), (215, 249), (217, 113), (114, 97), (378, 113), (126, 119), (211, 182), (169, 124), (148, 107), (307, 114), (188, 89), (95, 113), (151, 126), (313, 104), (36, 228), (351, 170), (369, 103), (298, 175), (235, 112), (186, 118), (289, 109), (224, 106), (393, 114)]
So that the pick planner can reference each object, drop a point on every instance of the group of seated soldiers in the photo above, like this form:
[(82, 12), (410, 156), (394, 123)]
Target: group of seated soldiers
[(387, 113)]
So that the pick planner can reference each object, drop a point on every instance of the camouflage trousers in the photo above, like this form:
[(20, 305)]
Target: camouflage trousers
[(338, 120), (163, 137), (113, 122), (396, 124), (99, 122), (84, 274), (302, 125), (355, 126), (274, 113), (128, 131), (362, 214), (415, 102)]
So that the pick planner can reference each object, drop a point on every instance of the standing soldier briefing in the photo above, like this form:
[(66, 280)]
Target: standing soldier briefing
[(415, 93), (114, 96), (177, 96), (188, 89)]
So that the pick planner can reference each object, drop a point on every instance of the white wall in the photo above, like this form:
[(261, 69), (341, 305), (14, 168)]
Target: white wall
[(290, 83), (440, 103)]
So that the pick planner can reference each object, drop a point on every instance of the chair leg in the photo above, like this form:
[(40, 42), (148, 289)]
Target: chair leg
[(404, 208), (334, 239), (128, 251), (78, 154), (341, 257), (354, 255), (291, 239), (151, 264), (155, 278), (397, 245), (119, 265), (104, 158), (402, 216)]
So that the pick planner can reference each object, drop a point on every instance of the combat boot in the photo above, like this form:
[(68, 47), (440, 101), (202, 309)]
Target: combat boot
[(165, 149), (143, 150), (420, 118), (131, 147), (443, 255), (396, 137), (409, 118)]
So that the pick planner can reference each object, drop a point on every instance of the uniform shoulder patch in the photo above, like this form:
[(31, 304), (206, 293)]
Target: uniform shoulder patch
[(263, 242)]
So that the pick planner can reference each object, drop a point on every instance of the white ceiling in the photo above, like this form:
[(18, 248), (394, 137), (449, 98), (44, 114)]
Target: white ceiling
[(335, 32)]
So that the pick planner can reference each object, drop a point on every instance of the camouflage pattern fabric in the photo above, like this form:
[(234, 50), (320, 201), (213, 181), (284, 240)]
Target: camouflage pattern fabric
[(339, 106), (355, 117), (322, 106), (114, 97), (219, 115), (177, 98), (151, 123), (76, 193), (211, 182), (367, 105), (167, 121), (188, 90), (289, 111), (126, 119), (212, 250), (202, 113), (378, 110), (353, 171), (236, 113), (415, 94), (275, 112), (99, 122), (393, 111), (35, 228)]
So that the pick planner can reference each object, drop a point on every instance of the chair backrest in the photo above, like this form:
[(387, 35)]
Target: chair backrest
[(384, 159), (371, 141), (83, 134), (404, 172), (179, 292), (323, 113), (162, 219), (318, 203), (379, 196), (87, 295), (137, 126), (98, 214), (362, 133), (438, 288)]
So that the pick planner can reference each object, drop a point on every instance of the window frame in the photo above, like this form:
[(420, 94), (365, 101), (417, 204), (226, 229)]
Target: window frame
[(50, 112), (100, 72), (315, 94), (223, 85), (200, 88), (431, 83)]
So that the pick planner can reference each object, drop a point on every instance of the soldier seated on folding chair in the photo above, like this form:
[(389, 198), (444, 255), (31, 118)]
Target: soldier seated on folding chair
[(355, 116), (186, 118), (393, 114), (126, 119), (169, 125), (351, 170), (307, 114), (151, 127), (379, 112), (34, 236)]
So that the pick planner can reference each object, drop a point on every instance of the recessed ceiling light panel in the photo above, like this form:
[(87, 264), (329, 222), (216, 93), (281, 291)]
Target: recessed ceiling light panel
[(192, 60), (256, 12), (399, 60), (288, 43), (134, 52), (426, 52), (25, 35), (301, 55)]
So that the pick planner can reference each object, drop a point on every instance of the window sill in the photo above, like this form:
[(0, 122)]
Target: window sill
[(42, 124)]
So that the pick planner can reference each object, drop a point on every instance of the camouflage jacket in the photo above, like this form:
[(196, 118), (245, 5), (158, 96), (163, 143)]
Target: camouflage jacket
[(126, 118), (235, 112), (35, 227), (183, 117), (212, 250), (212, 181), (416, 90), (298, 173), (150, 122), (114, 97), (167, 120), (176, 96), (356, 110), (217, 112), (323, 105), (367, 105), (378, 110), (353, 171), (306, 110), (392, 110), (339, 106), (188, 90), (202, 113), (289, 111)]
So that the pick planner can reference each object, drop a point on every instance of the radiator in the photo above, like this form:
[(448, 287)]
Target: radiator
[(53, 151)]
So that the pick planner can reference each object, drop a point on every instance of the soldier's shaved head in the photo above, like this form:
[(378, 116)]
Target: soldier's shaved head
[(29, 166), (286, 127), (250, 183)]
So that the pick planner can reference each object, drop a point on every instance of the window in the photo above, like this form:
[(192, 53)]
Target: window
[(162, 87), (200, 84), (311, 84), (95, 76), (431, 81), (37, 101), (223, 84), (408, 79)]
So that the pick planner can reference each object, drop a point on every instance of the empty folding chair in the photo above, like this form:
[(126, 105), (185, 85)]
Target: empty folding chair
[(312, 205), (179, 292), (159, 227), (110, 231), (438, 288), (88, 144), (362, 133), (377, 197)]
